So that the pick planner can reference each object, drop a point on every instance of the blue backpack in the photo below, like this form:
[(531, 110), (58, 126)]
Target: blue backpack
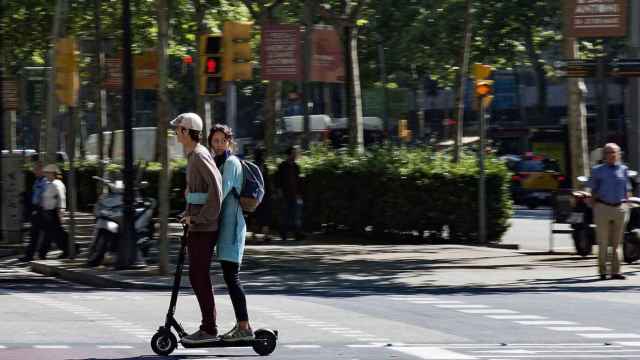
[(252, 190)]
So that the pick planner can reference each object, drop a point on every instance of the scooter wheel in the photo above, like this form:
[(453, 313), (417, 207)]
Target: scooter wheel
[(163, 343), (265, 342)]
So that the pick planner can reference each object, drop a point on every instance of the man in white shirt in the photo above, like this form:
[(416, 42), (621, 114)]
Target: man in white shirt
[(53, 204)]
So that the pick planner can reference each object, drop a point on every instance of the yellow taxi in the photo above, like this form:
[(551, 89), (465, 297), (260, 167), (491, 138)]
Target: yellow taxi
[(534, 180)]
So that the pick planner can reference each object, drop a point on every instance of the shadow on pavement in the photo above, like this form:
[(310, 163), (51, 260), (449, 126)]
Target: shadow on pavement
[(345, 271), (173, 357)]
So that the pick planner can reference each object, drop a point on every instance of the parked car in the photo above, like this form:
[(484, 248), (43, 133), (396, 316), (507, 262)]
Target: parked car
[(534, 179)]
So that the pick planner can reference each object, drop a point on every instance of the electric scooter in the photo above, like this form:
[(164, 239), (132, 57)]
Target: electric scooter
[(164, 341)]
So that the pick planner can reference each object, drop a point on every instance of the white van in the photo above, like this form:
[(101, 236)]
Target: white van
[(144, 145), (290, 130)]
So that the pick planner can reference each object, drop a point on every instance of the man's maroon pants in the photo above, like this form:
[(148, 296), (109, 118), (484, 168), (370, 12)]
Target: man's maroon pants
[(200, 248)]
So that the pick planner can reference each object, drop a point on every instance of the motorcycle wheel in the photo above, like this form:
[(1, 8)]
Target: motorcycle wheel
[(102, 242), (631, 248), (582, 241)]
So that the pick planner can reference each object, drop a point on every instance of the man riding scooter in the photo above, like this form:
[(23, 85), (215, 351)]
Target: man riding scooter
[(204, 194)]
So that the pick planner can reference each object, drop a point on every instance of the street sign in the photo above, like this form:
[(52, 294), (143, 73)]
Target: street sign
[(576, 68), (588, 68), (113, 76), (596, 18), (280, 52), (327, 62), (146, 71), (625, 68), (9, 95)]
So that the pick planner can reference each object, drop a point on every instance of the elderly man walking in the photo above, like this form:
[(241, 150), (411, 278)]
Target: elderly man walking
[(610, 188)]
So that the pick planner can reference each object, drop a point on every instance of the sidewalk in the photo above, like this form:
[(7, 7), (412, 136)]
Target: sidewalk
[(312, 266)]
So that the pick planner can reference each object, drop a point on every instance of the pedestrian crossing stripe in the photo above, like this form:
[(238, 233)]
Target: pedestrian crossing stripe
[(430, 352)]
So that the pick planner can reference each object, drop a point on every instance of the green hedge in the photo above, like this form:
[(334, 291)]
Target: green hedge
[(393, 190), (404, 190)]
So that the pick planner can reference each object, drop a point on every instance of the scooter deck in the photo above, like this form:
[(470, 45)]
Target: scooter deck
[(219, 343)]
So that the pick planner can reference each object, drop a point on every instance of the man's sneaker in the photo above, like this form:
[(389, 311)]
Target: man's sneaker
[(237, 334), (199, 337)]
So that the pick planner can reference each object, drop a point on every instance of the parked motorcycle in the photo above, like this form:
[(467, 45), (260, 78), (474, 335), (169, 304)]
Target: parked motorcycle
[(109, 220), (580, 217)]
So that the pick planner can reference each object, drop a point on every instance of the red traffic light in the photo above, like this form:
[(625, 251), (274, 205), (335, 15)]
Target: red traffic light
[(211, 66), (187, 59)]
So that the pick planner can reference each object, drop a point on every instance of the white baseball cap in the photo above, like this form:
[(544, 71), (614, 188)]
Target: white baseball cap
[(51, 168), (188, 121)]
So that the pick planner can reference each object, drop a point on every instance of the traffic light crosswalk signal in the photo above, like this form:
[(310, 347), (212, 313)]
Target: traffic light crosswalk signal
[(237, 57), (66, 76), (211, 65)]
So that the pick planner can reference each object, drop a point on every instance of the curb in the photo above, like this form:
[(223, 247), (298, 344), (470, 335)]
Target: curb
[(504, 246), (82, 277)]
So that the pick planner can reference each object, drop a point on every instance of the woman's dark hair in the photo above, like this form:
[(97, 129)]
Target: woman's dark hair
[(224, 129), (194, 135), (290, 149)]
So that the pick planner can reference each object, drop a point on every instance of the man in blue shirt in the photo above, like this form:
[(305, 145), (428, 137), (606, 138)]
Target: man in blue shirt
[(610, 189), (39, 185)]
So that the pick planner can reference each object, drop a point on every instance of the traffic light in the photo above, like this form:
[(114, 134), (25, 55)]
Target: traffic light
[(66, 77), (483, 86), (211, 65), (236, 53), (403, 130)]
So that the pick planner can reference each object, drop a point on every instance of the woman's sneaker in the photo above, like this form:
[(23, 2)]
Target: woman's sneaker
[(199, 337), (237, 334)]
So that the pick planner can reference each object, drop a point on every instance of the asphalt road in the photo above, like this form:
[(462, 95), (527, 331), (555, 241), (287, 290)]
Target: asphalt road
[(45, 318)]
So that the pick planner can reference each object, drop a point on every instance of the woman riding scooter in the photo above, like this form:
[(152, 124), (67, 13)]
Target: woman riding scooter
[(232, 230)]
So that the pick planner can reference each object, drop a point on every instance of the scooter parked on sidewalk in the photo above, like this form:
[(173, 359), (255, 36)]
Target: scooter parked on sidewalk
[(109, 218), (164, 341), (583, 226)]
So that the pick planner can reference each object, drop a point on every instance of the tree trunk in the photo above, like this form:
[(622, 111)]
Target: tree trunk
[(577, 114), (356, 134), (201, 30), (464, 73), (306, 86), (271, 111), (114, 123), (48, 142), (161, 140), (541, 78)]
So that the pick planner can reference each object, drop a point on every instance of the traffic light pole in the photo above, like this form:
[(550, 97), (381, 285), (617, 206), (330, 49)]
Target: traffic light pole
[(1, 133), (72, 198), (482, 215), (127, 248), (603, 95), (232, 105), (633, 103)]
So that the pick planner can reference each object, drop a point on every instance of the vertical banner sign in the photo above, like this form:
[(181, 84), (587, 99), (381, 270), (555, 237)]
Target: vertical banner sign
[(327, 63), (597, 18), (113, 74), (146, 71), (280, 53), (9, 95)]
